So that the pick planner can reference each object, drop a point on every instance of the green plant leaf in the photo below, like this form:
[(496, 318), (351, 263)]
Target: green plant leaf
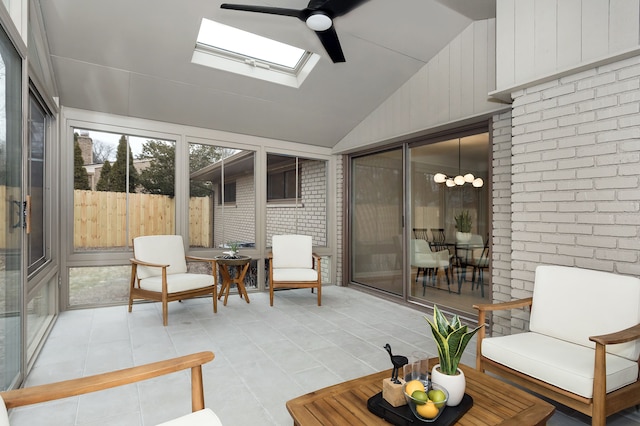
[(451, 339)]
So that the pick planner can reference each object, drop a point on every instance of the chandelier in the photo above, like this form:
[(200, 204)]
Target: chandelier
[(460, 179)]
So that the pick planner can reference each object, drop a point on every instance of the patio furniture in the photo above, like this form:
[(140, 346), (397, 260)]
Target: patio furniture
[(291, 265), (241, 263), (428, 262), (494, 402), (159, 273), (479, 265), (583, 344), (53, 391)]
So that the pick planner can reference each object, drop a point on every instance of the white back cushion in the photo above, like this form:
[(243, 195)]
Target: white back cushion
[(160, 249), (573, 303), (4, 417), (292, 251)]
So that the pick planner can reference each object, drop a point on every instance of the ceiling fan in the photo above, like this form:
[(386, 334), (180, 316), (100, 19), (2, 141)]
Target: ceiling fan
[(318, 15)]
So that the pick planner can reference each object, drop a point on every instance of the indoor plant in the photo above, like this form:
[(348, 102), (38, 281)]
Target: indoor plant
[(463, 225), (451, 339)]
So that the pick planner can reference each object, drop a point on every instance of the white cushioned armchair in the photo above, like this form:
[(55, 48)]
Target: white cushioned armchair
[(291, 265), (583, 344), (159, 273)]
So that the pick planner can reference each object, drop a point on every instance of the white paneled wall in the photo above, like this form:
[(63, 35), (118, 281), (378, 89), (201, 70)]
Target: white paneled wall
[(538, 38), (451, 87)]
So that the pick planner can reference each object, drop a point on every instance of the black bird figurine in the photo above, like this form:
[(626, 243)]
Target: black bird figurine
[(398, 362)]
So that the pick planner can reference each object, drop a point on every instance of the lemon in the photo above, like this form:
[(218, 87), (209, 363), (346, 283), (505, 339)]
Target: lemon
[(437, 396), (428, 410), (414, 385), (419, 397)]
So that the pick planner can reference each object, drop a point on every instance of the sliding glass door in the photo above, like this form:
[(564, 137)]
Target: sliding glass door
[(12, 213), (376, 221)]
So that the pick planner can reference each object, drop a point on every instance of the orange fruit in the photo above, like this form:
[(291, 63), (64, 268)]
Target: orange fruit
[(413, 385), (428, 410)]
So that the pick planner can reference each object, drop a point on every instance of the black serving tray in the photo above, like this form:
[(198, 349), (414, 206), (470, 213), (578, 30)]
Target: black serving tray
[(403, 416)]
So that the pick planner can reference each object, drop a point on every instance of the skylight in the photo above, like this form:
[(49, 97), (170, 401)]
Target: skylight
[(231, 49)]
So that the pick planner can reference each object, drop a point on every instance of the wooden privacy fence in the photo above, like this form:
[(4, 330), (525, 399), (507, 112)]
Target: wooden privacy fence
[(100, 218)]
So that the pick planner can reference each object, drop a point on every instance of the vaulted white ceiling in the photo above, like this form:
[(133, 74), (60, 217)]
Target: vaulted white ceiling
[(133, 58)]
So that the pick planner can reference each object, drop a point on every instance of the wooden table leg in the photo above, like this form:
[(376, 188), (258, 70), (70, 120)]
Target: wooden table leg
[(240, 282)]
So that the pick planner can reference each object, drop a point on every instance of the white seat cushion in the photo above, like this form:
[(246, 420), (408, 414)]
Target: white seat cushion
[(4, 416), (204, 417), (295, 275), (177, 282), (563, 364)]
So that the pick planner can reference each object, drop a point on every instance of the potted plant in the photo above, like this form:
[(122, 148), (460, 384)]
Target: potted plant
[(233, 253), (463, 225), (451, 338)]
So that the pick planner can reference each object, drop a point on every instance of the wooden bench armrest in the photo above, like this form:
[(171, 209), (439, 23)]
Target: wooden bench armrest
[(622, 336), (512, 304), (143, 263), (83, 385), (483, 308), (200, 259)]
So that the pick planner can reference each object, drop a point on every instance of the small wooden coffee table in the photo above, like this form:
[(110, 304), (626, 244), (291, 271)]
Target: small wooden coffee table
[(494, 403)]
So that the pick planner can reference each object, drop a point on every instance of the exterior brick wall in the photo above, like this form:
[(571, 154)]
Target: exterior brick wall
[(340, 219), (575, 175), (501, 244), (239, 219), (311, 217)]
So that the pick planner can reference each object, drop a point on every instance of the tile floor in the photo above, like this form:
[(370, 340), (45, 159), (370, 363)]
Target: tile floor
[(264, 356)]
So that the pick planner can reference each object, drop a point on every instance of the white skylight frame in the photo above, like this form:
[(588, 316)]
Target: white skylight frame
[(231, 49)]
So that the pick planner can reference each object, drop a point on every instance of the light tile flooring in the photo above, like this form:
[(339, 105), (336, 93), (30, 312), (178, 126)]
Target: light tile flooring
[(264, 356)]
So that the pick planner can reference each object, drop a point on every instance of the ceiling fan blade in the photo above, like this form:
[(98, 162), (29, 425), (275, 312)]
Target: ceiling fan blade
[(340, 7), (264, 9), (329, 39)]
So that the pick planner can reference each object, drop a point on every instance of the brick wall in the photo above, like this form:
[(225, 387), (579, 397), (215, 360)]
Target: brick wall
[(311, 216), (340, 219), (501, 216), (575, 175)]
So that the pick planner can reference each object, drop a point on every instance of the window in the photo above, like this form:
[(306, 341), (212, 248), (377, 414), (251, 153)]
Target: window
[(36, 241), (231, 49), (230, 215), (229, 193), (296, 196), (282, 186), (124, 187)]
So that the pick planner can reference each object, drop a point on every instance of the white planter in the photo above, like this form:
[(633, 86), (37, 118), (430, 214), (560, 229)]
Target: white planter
[(455, 385), (463, 237)]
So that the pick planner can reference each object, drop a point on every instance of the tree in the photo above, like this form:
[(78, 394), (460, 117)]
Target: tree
[(101, 151), (159, 177), (118, 174), (104, 183), (80, 176)]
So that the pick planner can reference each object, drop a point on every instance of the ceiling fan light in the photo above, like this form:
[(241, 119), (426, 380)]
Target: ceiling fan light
[(469, 178), (319, 22), (458, 180), (450, 183), (439, 178), (478, 182)]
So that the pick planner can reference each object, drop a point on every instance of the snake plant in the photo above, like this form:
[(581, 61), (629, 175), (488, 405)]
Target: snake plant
[(451, 338)]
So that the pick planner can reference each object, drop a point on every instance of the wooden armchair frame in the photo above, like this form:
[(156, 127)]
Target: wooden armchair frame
[(296, 284), (68, 388), (135, 292), (598, 407)]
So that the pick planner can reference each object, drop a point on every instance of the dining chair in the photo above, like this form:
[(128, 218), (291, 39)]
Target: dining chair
[(428, 262)]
